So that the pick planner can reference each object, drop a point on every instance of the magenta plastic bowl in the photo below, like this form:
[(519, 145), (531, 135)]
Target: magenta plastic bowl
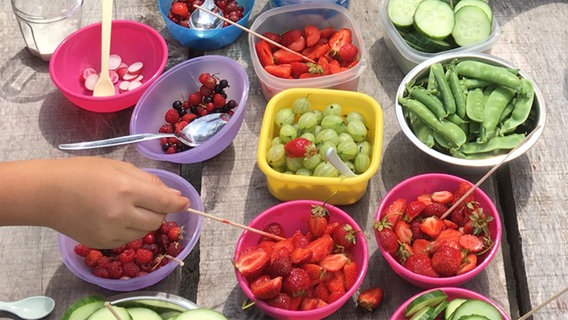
[(293, 216), (180, 81), (453, 293), (409, 189), (192, 225), (132, 40)]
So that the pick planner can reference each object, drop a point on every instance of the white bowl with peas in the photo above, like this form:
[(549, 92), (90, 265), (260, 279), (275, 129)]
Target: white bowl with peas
[(470, 109)]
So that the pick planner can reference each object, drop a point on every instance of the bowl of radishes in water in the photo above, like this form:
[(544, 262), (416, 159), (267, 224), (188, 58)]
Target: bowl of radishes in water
[(138, 55)]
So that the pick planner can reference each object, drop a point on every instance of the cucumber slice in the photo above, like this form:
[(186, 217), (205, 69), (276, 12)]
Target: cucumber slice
[(139, 313), (471, 26), (105, 314), (477, 307), (156, 305), (474, 317), (201, 314), (426, 313), (434, 18), (422, 43), (401, 12), (83, 308), (452, 306), (439, 309), (479, 3), (428, 299)]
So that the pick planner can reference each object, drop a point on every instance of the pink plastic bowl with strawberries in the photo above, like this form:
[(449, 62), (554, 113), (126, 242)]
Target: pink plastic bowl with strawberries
[(426, 184), (294, 216)]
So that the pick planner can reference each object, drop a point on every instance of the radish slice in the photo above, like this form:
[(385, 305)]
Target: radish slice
[(122, 71), (133, 85), (91, 81), (123, 85), (139, 78), (129, 76), (114, 61), (113, 76), (135, 67), (87, 72)]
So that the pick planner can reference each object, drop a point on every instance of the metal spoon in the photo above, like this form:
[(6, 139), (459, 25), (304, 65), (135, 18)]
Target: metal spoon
[(30, 308), (332, 157), (200, 20), (104, 86), (194, 134)]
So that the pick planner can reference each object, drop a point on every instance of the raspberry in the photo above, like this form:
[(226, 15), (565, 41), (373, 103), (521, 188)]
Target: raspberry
[(103, 262), (172, 116), (153, 248), (134, 244), (101, 272), (115, 270), (82, 250), (143, 256), (175, 233), (189, 117), (174, 249), (166, 128), (92, 257), (130, 269), (180, 9), (195, 98), (127, 255), (149, 238), (163, 240), (219, 101), (118, 250)]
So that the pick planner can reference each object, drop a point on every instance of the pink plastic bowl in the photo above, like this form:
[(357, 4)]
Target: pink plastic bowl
[(294, 215), (192, 225), (409, 189), (453, 293), (133, 41), (180, 81)]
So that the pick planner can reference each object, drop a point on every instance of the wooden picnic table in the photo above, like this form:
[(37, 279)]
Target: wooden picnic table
[(530, 267)]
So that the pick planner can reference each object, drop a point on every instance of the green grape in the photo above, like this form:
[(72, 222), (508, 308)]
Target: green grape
[(350, 165), (287, 133), (308, 135), (332, 109), (327, 135), (303, 172), (344, 137), (364, 147), (284, 116), (316, 130), (276, 141), (307, 122), (323, 148), (347, 150), (301, 105), (312, 162), (332, 122), (294, 164), (357, 130), (276, 156), (318, 114), (361, 162), (325, 169), (354, 115)]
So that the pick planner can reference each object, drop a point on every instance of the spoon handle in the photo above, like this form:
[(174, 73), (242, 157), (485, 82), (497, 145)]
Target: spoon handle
[(335, 161), (114, 141)]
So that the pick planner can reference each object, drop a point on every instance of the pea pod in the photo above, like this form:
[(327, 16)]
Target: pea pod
[(457, 91), (474, 105), (487, 72), (443, 87), (507, 111), (423, 132), (455, 135), (494, 144), (468, 83), (428, 99), (522, 109), (496, 103)]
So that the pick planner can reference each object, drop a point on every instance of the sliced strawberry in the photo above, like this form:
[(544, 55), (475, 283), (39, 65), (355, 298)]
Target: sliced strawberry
[(266, 246), (335, 67), (281, 71), (403, 232), (295, 302), (468, 263), (312, 35), (413, 209), (281, 249), (334, 262), (442, 196), (471, 243), (266, 288), (450, 224), (435, 209), (301, 255), (298, 45), (335, 295), (290, 37), (370, 298), (331, 227), (298, 68), (264, 53), (316, 51), (327, 32), (339, 38), (282, 56), (425, 198), (336, 283), (272, 36), (421, 246), (315, 271), (321, 247), (350, 271), (394, 211), (432, 226), (460, 191), (299, 240), (252, 262), (321, 292), (309, 304), (281, 301)]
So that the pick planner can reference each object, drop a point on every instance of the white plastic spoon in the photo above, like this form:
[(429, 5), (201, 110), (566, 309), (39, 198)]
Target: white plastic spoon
[(104, 86), (333, 158), (30, 308)]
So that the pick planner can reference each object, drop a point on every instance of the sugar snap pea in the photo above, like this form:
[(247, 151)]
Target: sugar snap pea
[(469, 83), (522, 108), (496, 143), (474, 104), (455, 135), (443, 87), (423, 132), (496, 103), (507, 111), (428, 99), (487, 72), (457, 91)]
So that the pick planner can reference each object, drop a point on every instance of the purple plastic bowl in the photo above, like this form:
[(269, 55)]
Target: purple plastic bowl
[(192, 225), (453, 293), (181, 81), (293, 216), (412, 187)]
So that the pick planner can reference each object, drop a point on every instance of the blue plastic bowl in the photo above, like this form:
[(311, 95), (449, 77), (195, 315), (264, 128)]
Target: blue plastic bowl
[(205, 39)]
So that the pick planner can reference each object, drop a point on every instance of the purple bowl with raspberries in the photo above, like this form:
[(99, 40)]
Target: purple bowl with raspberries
[(177, 84), (192, 225)]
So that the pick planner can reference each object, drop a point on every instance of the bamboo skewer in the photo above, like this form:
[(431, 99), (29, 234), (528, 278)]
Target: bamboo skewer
[(234, 224), (535, 309), (254, 33), (488, 174)]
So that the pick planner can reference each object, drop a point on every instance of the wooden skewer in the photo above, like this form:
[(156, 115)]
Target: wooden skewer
[(535, 309), (112, 311), (254, 33), (242, 226), (488, 174)]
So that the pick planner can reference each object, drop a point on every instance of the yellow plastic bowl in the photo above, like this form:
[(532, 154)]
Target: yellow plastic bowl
[(285, 186)]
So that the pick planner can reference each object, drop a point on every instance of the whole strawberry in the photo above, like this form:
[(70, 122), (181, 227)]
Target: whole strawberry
[(344, 237), (348, 53), (297, 283), (370, 299), (300, 148)]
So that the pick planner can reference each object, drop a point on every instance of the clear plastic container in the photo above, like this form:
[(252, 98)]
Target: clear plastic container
[(407, 57), (320, 15), (280, 3)]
